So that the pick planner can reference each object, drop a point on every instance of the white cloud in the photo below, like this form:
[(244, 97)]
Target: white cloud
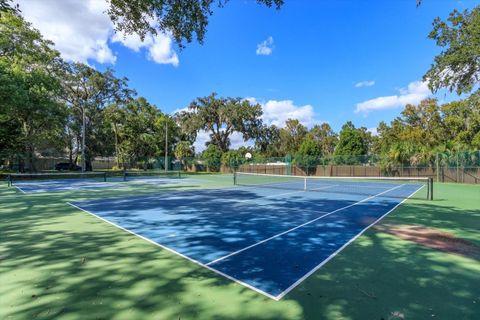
[(132, 41), (277, 112), (159, 47), (82, 31), (366, 83), (161, 51), (373, 131), (202, 138), (79, 29), (414, 93), (236, 141), (265, 48)]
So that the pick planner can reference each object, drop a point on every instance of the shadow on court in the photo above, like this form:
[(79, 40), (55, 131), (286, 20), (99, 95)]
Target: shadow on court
[(57, 262)]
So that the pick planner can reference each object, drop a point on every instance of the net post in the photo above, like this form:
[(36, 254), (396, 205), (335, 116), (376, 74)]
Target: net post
[(305, 184), (430, 188), (104, 176), (124, 175), (234, 177), (9, 180)]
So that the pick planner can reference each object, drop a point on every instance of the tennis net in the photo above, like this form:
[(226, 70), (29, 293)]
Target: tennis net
[(15, 178), (144, 175), (396, 187)]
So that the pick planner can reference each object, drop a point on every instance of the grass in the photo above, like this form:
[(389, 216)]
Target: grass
[(58, 262)]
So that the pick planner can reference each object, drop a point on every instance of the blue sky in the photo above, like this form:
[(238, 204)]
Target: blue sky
[(322, 60)]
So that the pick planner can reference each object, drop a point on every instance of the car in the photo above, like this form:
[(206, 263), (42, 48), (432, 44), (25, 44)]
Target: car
[(67, 166)]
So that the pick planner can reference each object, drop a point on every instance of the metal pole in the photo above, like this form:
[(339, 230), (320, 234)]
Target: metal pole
[(166, 144), (83, 140)]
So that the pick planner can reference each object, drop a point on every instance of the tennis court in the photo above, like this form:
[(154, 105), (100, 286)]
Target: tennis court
[(267, 232), (57, 182)]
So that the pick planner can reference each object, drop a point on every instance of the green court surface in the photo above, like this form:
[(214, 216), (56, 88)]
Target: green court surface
[(59, 262)]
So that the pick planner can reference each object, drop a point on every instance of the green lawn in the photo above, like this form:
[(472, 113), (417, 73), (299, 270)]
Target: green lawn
[(58, 262)]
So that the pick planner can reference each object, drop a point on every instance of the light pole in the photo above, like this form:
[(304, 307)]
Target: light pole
[(83, 139)]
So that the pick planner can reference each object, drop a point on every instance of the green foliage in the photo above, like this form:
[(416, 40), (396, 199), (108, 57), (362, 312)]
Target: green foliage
[(43, 98), (139, 130), (310, 148), (457, 67), (221, 117), (181, 18), (212, 157), (89, 91), (308, 155), (235, 158), (424, 130), (29, 87), (325, 136), (184, 149), (8, 6), (268, 141), (291, 136), (352, 142)]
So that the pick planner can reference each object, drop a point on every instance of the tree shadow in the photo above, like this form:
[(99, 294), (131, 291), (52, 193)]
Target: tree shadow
[(57, 262)]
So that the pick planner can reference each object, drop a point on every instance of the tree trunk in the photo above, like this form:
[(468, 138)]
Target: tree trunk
[(30, 150)]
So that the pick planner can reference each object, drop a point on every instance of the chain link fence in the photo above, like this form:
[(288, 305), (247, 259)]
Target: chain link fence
[(461, 167)]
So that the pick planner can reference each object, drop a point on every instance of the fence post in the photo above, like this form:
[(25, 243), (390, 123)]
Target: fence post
[(457, 170), (430, 182)]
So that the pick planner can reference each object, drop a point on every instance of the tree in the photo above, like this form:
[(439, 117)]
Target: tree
[(9, 6), (268, 141), (457, 67), (221, 117), (139, 129), (325, 136), (235, 158), (29, 87), (310, 148), (424, 123), (462, 121), (291, 136), (181, 18), (140, 132), (423, 130), (308, 155), (10, 137), (184, 149), (352, 143), (87, 93), (212, 157)]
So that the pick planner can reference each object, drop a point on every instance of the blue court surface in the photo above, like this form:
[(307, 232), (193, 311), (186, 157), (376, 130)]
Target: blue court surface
[(265, 239), (55, 185)]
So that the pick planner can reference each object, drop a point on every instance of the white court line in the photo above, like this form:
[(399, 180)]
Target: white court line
[(177, 253), (20, 189), (281, 295), (297, 227), (276, 298), (323, 188)]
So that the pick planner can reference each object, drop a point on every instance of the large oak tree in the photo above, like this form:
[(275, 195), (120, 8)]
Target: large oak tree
[(221, 117)]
